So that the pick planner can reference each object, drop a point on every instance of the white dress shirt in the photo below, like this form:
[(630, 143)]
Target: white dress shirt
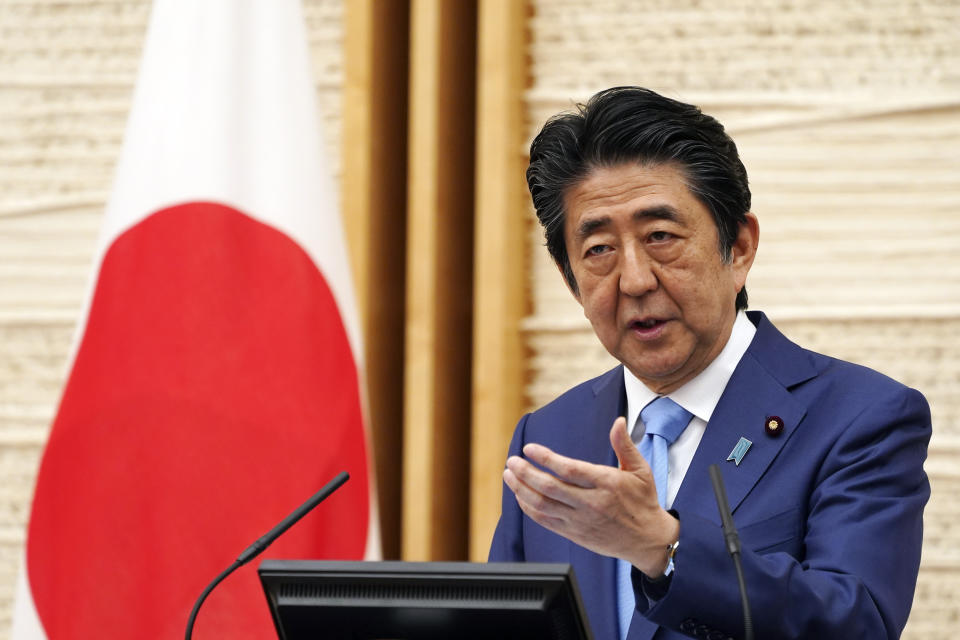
[(698, 396)]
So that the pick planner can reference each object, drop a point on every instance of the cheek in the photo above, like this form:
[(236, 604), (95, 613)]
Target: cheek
[(599, 299), (699, 288), (686, 283)]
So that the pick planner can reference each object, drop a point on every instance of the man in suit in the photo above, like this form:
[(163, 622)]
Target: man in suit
[(646, 211)]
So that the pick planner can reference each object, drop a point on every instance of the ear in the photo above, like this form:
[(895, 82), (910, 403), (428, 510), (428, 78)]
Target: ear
[(575, 294), (744, 249)]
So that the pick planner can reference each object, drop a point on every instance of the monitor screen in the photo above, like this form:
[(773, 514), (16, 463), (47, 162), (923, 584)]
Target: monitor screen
[(423, 600)]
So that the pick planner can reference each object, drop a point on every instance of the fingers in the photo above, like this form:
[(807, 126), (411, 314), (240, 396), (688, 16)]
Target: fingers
[(538, 481), (607, 510), (572, 471), (541, 508), (627, 453)]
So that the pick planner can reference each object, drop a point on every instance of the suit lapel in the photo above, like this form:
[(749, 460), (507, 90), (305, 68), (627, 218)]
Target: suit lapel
[(758, 389)]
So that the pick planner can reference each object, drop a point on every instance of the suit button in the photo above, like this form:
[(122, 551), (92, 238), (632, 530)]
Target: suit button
[(688, 625)]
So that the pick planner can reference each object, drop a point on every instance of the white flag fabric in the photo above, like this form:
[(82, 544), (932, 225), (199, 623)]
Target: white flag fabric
[(215, 383)]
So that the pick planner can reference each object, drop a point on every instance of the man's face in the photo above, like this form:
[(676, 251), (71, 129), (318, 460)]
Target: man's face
[(645, 255)]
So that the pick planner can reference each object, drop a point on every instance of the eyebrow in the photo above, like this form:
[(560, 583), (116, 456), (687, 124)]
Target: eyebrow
[(662, 212)]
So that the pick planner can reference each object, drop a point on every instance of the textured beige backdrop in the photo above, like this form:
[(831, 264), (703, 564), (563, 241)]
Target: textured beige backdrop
[(847, 119)]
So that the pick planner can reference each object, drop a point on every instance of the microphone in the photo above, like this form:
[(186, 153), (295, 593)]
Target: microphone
[(266, 540), (733, 544)]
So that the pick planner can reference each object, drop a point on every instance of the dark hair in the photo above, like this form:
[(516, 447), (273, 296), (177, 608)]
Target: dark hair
[(632, 124)]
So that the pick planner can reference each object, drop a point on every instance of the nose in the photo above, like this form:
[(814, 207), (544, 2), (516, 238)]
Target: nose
[(637, 276)]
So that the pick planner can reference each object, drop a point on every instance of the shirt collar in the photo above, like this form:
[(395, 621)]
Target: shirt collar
[(700, 395)]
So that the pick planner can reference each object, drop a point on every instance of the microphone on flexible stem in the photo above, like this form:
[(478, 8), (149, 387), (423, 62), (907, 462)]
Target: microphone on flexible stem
[(733, 545), (266, 540)]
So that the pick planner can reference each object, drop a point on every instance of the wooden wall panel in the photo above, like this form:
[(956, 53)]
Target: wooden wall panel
[(439, 280), (376, 38), (499, 265)]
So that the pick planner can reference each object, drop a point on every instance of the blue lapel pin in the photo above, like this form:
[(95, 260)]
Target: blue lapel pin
[(739, 451)]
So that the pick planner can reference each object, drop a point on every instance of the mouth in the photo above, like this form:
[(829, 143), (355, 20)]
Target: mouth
[(648, 328)]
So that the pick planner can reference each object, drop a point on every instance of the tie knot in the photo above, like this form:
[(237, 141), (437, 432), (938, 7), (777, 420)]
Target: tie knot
[(665, 418)]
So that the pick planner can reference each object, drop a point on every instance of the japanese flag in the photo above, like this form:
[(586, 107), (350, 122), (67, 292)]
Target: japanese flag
[(215, 384)]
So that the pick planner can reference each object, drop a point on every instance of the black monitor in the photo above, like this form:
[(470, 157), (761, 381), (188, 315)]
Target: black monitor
[(423, 600)]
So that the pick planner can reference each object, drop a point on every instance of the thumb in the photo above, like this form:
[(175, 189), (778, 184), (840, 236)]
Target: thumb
[(627, 453)]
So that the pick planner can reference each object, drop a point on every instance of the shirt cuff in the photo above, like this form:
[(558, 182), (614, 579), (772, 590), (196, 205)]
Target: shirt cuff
[(652, 589)]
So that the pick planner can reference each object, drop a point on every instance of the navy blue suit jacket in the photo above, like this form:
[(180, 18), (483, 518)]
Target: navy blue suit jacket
[(830, 512)]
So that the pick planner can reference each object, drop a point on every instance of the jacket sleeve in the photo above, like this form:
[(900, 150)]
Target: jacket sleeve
[(507, 545), (861, 544)]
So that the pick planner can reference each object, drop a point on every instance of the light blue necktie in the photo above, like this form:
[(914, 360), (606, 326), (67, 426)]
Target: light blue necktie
[(664, 420)]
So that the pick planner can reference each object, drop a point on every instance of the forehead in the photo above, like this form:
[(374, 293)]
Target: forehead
[(628, 189)]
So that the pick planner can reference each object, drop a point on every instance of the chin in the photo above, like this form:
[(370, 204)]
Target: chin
[(655, 375)]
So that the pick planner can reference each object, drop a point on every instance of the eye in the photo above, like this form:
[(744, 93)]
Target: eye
[(660, 236), (597, 250)]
